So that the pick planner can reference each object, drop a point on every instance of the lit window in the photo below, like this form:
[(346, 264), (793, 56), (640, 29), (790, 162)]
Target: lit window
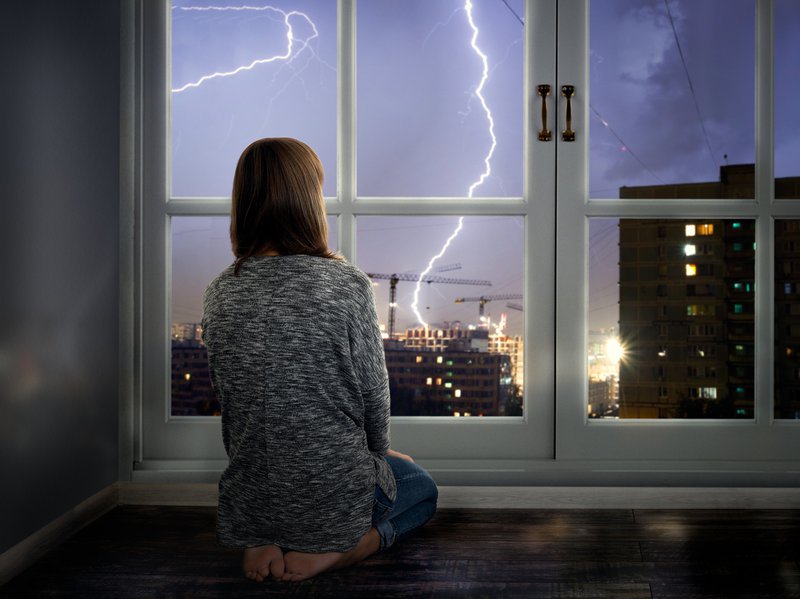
[(737, 247), (188, 376), (707, 392), (691, 310), (429, 381), (690, 249), (706, 229), (737, 225), (787, 288), (439, 359), (691, 270), (419, 359), (438, 381), (690, 231), (738, 308), (448, 385), (458, 392)]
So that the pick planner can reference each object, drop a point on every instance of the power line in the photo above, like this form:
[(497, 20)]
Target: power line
[(626, 146), (515, 13), (691, 86), (602, 120)]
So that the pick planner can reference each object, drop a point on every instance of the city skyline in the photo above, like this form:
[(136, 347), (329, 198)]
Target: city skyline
[(418, 72)]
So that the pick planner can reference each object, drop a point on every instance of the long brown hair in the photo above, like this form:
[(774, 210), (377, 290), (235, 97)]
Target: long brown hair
[(277, 201)]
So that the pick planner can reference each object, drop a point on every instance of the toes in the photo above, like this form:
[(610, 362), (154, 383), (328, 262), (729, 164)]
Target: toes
[(277, 568)]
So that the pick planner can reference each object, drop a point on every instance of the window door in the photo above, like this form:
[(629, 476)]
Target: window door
[(436, 186), (671, 297), (580, 219)]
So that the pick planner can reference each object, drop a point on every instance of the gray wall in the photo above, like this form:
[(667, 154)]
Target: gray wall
[(59, 203)]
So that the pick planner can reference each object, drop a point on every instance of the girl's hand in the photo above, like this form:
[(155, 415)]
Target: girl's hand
[(402, 456)]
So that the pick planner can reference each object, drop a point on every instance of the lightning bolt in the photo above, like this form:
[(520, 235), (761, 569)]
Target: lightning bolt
[(288, 56), (487, 159)]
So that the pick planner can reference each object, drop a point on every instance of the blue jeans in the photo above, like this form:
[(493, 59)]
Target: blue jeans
[(414, 505)]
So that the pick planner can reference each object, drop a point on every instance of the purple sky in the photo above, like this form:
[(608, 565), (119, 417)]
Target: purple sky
[(421, 131)]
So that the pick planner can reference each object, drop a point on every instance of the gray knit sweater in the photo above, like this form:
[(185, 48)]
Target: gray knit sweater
[(296, 360)]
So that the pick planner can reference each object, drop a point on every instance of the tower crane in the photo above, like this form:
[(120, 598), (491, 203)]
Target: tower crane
[(485, 299), (513, 306), (395, 278)]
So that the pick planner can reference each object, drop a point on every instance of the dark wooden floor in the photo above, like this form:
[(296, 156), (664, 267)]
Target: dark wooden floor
[(170, 552)]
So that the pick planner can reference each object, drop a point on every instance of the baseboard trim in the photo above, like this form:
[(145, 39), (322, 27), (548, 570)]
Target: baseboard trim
[(206, 494), (189, 494), (16, 559)]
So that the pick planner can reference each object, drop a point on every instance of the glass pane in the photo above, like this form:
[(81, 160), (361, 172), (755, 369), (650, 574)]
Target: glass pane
[(240, 73), (672, 99), (456, 345), (671, 318), (440, 98), (787, 118), (201, 249), (787, 319)]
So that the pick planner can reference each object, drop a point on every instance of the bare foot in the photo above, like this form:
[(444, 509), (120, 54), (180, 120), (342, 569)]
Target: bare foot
[(300, 566), (260, 562)]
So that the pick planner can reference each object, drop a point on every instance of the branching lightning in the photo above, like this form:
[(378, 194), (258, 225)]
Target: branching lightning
[(288, 56), (487, 159), (292, 52)]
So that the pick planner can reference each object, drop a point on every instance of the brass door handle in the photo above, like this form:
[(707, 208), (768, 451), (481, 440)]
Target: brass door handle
[(568, 91), (543, 91)]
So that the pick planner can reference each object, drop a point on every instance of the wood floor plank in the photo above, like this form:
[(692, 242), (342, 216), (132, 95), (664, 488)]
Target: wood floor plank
[(154, 551), (753, 590), (736, 550)]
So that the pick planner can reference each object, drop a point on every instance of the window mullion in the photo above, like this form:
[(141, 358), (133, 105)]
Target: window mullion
[(346, 162), (765, 195)]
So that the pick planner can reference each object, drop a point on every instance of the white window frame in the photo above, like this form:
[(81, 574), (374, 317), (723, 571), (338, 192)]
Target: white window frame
[(737, 446), (569, 448), (488, 447)]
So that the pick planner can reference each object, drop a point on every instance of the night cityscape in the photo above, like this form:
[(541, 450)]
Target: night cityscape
[(670, 315)]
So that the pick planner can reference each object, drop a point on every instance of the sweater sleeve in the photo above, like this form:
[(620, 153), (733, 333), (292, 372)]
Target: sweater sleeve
[(366, 348)]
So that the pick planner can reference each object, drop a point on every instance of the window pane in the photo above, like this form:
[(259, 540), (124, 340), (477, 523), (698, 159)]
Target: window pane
[(658, 72), (467, 361), (787, 118), (240, 73), (430, 107), (201, 249), (787, 319), (671, 318)]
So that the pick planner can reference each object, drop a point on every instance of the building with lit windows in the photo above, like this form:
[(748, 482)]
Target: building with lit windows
[(513, 347), (451, 383), (192, 393), (686, 308), (186, 331), (456, 335)]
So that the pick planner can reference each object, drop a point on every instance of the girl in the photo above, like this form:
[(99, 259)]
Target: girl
[(296, 360)]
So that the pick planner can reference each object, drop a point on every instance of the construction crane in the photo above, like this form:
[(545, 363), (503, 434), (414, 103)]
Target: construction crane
[(514, 306), (395, 278), (485, 299)]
